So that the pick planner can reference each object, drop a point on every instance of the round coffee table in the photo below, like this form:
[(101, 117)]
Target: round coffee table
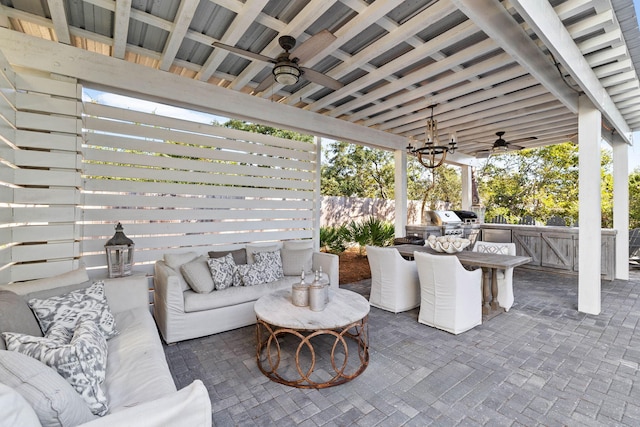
[(344, 319)]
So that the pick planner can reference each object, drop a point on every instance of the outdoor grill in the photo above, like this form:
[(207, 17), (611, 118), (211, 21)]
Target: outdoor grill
[(450, 223)]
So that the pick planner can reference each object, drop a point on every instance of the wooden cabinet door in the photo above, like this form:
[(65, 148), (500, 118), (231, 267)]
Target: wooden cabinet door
[(557, 250), (528, 243)]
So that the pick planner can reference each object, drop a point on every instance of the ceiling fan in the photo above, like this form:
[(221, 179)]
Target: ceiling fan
[(502, 146), (287, 69)]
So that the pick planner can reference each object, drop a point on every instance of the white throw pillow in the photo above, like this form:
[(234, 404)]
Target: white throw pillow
[(69, 309), (294, 261), (197, 275), (176, 260), (53, 399), (82, 361), (15, 410)]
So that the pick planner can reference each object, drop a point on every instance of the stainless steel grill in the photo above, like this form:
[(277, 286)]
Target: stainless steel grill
[(450, 223)]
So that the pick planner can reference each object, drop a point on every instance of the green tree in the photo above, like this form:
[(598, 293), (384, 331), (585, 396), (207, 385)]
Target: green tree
[(541, 182), (634, 199)]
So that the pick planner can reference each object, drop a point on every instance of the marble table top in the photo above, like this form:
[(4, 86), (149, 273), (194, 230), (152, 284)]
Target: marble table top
[(344, 308)]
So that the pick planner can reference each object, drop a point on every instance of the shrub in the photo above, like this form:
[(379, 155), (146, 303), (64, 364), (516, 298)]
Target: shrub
[(333, 239)]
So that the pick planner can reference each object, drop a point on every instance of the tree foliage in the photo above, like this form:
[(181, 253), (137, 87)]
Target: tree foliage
[(267, 130), (634, 199), (540, 182)]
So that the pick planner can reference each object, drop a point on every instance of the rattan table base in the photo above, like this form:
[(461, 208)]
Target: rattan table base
[(270, 358)]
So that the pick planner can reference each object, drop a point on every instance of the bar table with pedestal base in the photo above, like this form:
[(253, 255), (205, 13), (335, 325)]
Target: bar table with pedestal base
[(343, 320)]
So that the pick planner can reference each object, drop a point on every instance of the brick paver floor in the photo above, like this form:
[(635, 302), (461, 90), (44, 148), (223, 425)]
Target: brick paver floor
[(542, 363)]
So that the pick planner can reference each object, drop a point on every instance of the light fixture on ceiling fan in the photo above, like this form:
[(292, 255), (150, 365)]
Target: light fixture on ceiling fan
[(431, 153), (287, 70)]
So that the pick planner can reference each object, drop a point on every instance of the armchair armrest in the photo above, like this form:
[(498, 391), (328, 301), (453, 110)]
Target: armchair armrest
[(190, 406), (125, 293), (330, 265)]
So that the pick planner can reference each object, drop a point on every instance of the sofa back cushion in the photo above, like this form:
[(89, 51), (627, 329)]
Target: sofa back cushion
[(239, 255), (252, 249), (175, 261), (16, 316)]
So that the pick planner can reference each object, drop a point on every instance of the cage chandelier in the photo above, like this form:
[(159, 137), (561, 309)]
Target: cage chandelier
[(431, 153)]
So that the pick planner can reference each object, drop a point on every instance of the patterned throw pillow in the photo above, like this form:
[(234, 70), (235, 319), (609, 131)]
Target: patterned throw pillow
[(497, 249), (274, 261), (224, 272), (82, 361), (68, 309), (258, 273)]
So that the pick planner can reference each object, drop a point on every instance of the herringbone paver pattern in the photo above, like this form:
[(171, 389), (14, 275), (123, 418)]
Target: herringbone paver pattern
[(542, 363)]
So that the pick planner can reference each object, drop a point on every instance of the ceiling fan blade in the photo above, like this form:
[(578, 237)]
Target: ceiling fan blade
[(313, 45), (265, 84), (530, 138), (242, 52), (321, 79)]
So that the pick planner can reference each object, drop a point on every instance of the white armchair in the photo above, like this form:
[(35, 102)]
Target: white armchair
[(394, 280), (504, 277), (451, 297)]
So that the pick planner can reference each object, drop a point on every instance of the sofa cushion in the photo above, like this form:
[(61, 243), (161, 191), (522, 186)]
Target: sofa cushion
[(252, 249), (294, 261), (272, 259), (68, 309), (224, 272), (82, 361), (239, 255), (55, 402), (16, 316), (15, 410), (52, 284), (176, 260), (137, 369), (197, 275), (233, 296), (297, 244)]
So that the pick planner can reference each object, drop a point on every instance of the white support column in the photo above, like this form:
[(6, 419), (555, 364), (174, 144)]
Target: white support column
[(621, 207), (400, 190), (317, 195), (467, 196), (590, 235)]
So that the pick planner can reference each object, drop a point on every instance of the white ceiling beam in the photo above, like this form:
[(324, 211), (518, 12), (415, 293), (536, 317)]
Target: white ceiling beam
[(607, 56), (614, 68), (121, 28), (541, 17), (184, 16), (498, 24), (132, 79), (603, 41), (404, 33), (591, 25), (59, 18), (244, 18)]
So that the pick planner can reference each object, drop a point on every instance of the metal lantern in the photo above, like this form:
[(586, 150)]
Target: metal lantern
[(119, 254)]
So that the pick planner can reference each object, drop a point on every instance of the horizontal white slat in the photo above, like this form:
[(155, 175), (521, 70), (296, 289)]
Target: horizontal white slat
[(48, 104), (215, 227), (191, 165), (6, 194), (159, 134), (44, 122), (46, 84), (47, 177), (58, 160), (7, 131), (184, 202), (43, 252), (7, 108), (100, 170), (192, 214), (192, 127), (6, 217), (46, 233), (54, 196), (7, 75), (171, 188), (50, 214), (39, 270), (52, 141), (171, 150)]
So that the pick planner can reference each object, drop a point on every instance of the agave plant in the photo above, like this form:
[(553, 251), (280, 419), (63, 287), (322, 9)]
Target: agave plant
[(334, 239)]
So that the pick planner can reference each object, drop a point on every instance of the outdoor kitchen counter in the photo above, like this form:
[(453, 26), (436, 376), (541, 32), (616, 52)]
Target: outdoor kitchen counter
[(551, 248)]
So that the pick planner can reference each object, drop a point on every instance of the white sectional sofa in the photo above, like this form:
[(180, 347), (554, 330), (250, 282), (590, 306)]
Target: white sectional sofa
[(183, 313), (138, 384)]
